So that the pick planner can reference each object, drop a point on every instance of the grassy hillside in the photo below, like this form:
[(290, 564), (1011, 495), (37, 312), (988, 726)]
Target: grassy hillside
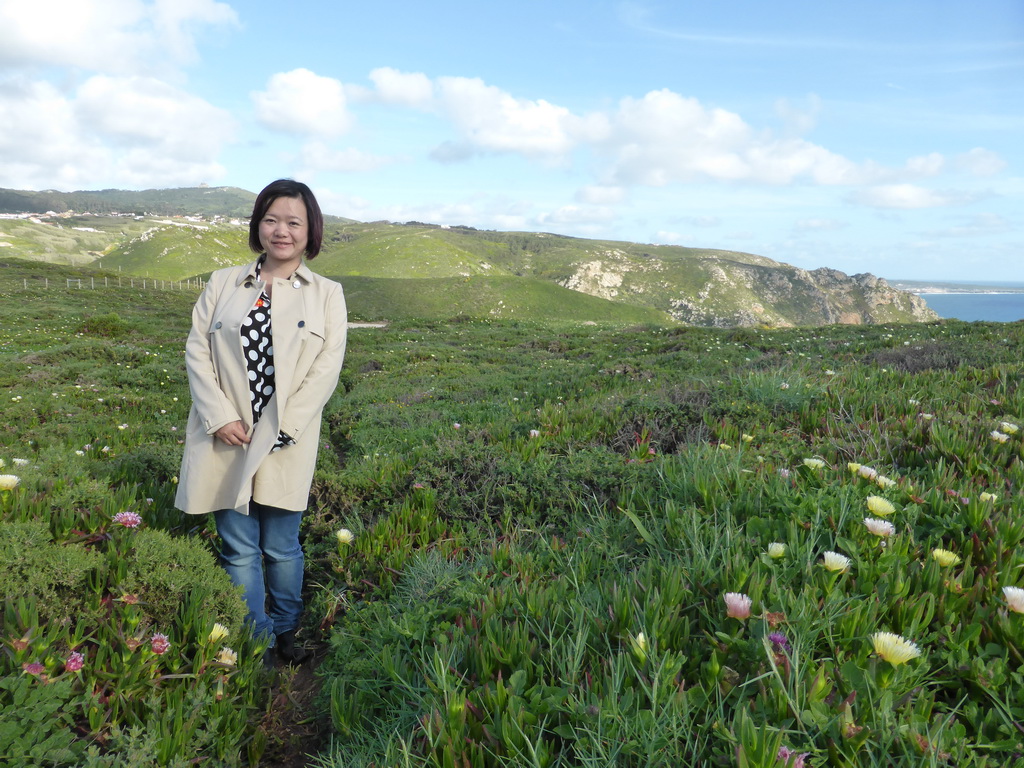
[(178, 249), (572, 545), (486, 297), (690, 285), (185, 201)]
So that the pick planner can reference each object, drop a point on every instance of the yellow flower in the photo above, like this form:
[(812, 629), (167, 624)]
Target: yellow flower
[(945, 558), (985, 496), (835, 562), (814, 463), (854, 467), (9, 482), (884, 482), (227, 656), (218, 633), (893, 648), (1008, 427), (1014, 598), (776, 550), (880, 506), (747, 438), (639, 646), (345, 536)]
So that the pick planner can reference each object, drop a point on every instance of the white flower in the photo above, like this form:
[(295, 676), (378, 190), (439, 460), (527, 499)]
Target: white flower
[(227, 657), (881, 528), (998, 437), (737, 605), (867, 472), (893, 648), (9, 482), (1014, 598), (776, 550), (534, 433), (17, 462), (884, 482), (814, 463), (834, 561), (345, 536)]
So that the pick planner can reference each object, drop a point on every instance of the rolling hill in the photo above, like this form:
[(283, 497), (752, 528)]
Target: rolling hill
[(418, 269)]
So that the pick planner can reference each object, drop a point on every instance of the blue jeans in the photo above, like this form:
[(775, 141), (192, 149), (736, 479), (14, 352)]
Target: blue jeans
[(261, 553)]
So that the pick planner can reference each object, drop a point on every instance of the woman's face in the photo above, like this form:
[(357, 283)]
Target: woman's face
[(284, 230)]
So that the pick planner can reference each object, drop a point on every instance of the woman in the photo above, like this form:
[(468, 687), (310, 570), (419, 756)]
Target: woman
[(263, 357)]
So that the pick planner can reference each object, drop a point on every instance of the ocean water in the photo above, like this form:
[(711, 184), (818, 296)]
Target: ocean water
[(993, 307)]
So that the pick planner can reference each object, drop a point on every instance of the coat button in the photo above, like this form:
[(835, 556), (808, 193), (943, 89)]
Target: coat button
[(218, 325), (296, 284), (302, 323), (248, 283)]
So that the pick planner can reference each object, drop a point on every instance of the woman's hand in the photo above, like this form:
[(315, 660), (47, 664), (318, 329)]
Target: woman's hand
[(232, 434)]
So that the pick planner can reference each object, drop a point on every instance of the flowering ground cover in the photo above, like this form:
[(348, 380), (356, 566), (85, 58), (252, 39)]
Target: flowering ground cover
[(532, 546)]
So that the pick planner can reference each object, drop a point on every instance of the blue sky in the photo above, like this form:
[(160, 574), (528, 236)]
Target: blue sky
[(883, 137)]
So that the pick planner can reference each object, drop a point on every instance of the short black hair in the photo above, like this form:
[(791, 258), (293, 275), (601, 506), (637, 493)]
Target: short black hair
[(288, 188)]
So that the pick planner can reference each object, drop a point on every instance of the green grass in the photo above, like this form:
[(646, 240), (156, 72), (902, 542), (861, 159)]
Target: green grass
[(527, 498)]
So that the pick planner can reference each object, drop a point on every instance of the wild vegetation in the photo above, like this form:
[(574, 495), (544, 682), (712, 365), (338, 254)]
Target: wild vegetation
[(529, 544), (663, 284)]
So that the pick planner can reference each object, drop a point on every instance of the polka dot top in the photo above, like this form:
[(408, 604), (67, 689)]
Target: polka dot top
[(258, 345)]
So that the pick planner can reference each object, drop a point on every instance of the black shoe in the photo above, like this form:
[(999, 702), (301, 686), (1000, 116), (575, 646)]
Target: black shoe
[(290, 653), (269, 660)]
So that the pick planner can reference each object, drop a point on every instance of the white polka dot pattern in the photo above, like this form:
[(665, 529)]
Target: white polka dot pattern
[(258, 345)]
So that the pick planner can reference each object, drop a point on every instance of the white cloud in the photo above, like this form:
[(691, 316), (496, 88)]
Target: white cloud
[(414, 90), (303, 103), (796, 121), (600, 195), (975, 226), (317, 157), (819, 225), (665, 138), (114, 130), (980, 162), (576, 215), (489, 119), (925, 165), (907, 196), (702, 221), (112, 36)]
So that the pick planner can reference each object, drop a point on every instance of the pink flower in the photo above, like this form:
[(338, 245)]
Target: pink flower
[(786, 754), (35, 668), (737, 605), (160, 644), (74, 662), (128, 519)]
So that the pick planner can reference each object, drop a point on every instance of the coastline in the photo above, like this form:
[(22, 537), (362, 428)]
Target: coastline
[(961, 292)]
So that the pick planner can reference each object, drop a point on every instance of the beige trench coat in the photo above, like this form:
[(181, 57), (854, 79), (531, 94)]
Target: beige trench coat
[(309, 324)]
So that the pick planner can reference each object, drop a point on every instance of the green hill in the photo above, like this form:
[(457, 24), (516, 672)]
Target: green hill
[(186, 201), (694, 286)]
